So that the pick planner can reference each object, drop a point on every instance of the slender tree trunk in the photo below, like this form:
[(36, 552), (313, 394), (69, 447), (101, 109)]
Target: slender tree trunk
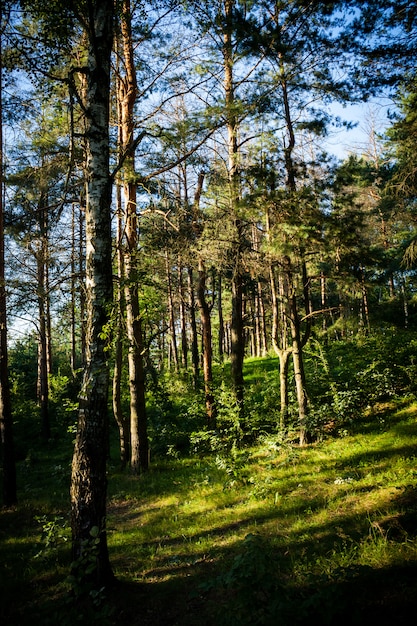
[(42, 255), (139, 446), (237, 348), (6, 418), (82, 285), (88, 479), (171, 314), (193, 325), (73, 353), (405, 303), (323, 296), (211, 411), (262, 321), (279, 292), (284, 360), (183, 321), (221, 338), (297, 341), (365, 303), (297, 352), (121, 420)]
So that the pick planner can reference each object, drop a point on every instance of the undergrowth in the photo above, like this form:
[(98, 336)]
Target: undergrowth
[(270, 534), (238, 525)]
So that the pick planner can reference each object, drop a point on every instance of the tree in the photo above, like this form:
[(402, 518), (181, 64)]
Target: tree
[(6, 419), (88, 478), (40, 164), (127, 94)]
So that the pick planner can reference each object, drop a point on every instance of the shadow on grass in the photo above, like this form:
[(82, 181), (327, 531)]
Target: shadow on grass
[(362, 596)]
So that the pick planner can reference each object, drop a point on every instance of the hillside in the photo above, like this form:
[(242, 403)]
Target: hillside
[(266, 534)]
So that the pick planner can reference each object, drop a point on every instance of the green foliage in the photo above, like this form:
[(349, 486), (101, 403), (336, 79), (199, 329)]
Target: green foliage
[(270, 533), (174, 412), (253, 584), (63, 400), (54, 535), (82, 577)]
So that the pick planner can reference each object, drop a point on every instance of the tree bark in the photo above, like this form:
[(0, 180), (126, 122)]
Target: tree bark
[(6, 418), (221, 338), (121, 420), (88, 478), (183, 321), (207, 346), (171, 315), (42, 255), (193, 325), (139, 446), (236, 329)]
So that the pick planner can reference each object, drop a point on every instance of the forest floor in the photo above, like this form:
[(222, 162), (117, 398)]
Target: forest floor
[(272, 534)]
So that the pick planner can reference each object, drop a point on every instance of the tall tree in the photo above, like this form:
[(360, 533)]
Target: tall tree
[(237, 350), (127, 94), (6, 419), (88, 478)]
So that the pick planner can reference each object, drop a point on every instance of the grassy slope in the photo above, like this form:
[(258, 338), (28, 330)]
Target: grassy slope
[(323, 534)]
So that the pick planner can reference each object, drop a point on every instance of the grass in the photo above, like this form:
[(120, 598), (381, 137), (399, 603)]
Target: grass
[(272, 534)]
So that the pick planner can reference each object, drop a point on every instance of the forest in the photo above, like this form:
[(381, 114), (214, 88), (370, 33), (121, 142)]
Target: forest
[(208, 312)]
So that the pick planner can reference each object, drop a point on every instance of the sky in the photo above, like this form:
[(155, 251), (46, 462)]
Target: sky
[(366, 116)]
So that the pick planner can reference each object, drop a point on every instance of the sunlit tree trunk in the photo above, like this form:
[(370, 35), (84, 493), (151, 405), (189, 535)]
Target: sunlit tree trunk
[(207, 346), (171, 316), (81, 283), (88, 478), (193, 326), (6, 419), (237, 348), (121, 420), (221, 338), (42, 257), (139, 447), (73, 290), (183, 320), (297, 341)]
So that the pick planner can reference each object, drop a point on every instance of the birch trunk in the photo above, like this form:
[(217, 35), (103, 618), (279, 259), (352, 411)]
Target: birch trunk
[(6, 418), (88, 478)]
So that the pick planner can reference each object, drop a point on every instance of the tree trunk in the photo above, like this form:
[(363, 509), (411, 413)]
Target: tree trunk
[(207, 346), (297, 341), (171, 314), (221, 338), (280, 341), (6, 419), (121, 420), (43, 309), (297, 353), (88, 478), (183, 321), (73, 353), (82, 285), (139, 447), (236, 329), (193, 325)]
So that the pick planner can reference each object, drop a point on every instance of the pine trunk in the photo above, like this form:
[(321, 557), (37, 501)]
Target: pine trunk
[(139, 447), (236, 328)]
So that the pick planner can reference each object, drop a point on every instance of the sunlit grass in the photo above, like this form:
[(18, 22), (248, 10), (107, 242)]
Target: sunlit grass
[(329, 512)]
